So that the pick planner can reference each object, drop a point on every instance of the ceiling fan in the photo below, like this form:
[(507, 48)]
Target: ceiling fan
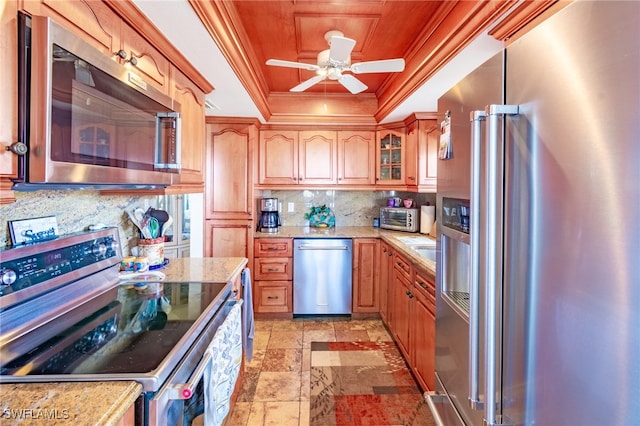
[(333, 62)]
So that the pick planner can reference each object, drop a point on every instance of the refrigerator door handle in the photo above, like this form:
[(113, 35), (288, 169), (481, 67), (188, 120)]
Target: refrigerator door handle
[(492, 311), (474, 282)]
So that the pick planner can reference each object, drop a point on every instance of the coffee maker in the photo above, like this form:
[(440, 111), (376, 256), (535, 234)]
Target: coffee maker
[(269, 216)]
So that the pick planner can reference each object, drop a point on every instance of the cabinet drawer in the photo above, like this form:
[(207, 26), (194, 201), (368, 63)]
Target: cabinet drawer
[(273, 247), (273, 268), (273, 296), (425, 286), (402, 265)]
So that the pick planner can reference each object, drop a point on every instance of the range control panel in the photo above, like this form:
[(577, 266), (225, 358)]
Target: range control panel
[(61, 260)]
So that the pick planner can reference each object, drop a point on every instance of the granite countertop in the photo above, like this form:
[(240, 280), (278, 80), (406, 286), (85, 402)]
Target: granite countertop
[(79, 403), (395, 238), (101, 403), (207, 269)]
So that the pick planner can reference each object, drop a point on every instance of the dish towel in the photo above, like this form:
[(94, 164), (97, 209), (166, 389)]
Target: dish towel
[(248, 327), (224, 367)]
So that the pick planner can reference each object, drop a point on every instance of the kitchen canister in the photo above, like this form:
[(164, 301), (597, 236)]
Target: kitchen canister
[(427, 217), (153, 249)]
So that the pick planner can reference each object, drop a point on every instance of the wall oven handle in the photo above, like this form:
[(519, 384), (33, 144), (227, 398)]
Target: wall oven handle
[(492, 326), (186, 390), (474, 285)]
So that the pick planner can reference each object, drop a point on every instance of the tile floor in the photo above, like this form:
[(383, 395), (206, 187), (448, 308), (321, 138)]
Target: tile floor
[(275, 389)]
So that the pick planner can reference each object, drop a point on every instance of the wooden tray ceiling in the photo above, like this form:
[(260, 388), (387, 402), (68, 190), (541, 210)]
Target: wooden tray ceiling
[(427, 34)]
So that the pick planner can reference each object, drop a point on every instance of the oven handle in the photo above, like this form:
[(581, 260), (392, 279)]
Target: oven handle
[(185, 390)]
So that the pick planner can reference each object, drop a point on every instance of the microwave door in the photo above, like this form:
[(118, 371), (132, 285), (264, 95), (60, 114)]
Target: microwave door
[(88, 124)]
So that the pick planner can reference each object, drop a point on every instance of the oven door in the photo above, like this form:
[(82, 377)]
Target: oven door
[(181, 398)]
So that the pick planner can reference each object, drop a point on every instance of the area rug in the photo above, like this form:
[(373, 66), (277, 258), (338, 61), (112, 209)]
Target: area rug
[(363, 383)]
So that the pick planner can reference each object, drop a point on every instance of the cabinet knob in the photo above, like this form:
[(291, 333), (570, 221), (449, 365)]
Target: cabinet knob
[(339, 178), (133, 61), (18, 148), (412, 178), (249, 212), (121, 53)]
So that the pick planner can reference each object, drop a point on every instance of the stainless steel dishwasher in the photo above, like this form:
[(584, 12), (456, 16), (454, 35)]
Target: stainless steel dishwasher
[(322, 276)]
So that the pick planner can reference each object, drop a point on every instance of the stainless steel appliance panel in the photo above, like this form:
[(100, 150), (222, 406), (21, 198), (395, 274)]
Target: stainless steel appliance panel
[(90, 121), (453, 274), (322, 276), (571, 316)]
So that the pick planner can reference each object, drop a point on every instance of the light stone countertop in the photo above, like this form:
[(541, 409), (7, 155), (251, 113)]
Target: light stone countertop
[(206, 269), (395, 238), (77, 403), (100, 403)]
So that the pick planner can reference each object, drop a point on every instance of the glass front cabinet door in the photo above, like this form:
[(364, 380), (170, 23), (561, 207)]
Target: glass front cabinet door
[(178, 241), (390, 157)]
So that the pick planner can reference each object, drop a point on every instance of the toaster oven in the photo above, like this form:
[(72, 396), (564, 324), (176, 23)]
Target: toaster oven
[(399, 219)]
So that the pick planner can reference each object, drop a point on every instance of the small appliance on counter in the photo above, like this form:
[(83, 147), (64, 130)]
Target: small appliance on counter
[(269, 216), (399, 219)]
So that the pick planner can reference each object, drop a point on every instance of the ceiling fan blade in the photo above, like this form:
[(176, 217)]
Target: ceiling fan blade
[(290, 64), (385, 65), (352, 84), (307, 83), (340, 48)]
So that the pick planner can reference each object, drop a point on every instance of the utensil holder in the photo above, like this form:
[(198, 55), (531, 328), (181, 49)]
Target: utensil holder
[(153, 249)]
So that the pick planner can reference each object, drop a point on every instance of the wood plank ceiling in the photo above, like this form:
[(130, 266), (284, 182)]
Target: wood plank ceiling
[(427, 34)]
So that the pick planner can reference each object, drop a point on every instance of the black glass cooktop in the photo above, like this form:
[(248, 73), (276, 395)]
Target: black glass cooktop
[(137, 331)]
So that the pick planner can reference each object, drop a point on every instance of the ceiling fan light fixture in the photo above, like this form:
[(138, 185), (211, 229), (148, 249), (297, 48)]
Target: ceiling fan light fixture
[(334, 73), (333, 61)]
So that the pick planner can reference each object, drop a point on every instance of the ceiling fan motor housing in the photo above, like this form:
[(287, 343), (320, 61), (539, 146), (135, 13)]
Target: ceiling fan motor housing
[(329, 68)]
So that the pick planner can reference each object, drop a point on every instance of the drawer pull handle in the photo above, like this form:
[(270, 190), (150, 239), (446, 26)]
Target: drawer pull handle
[(272, 270), (272, 248), (272, 297)]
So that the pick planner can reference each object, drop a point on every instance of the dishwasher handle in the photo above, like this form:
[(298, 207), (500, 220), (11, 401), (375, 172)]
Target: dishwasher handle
[(310, 247)]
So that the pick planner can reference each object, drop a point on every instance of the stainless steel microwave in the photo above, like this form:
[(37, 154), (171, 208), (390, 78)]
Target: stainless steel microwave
[(400, 219), (88, 120)]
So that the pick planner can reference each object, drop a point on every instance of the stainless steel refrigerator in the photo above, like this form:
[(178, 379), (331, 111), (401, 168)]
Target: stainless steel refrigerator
[(538, 267)]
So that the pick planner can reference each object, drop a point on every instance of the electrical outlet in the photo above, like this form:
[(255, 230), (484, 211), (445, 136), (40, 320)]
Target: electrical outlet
[(290, 208)]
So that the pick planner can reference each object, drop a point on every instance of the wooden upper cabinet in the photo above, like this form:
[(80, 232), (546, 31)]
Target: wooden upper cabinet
[(229, 172), (390, 164), (94, 21), (356, 158), (317, 152), (192, 113), (278, 157), (145, 61), (8, 102), (317, 157), (422, 136)]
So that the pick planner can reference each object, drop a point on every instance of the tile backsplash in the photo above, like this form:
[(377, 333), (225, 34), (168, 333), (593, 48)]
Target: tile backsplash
[(351, 208), (75, 211)]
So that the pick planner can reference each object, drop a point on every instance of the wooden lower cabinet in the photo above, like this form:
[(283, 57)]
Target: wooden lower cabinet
[(273, 276), (366, 275), (273, 296), (386, 266), (411, 315), (228, 238), (401, 314), (423, 330)]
